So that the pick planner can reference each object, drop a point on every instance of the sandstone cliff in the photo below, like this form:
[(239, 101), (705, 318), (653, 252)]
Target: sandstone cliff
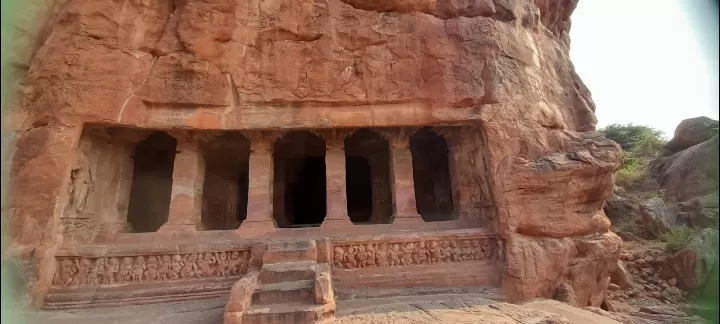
[(500, 65)]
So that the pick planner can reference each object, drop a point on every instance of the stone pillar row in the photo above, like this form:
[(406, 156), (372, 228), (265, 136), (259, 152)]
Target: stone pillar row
[(189, 174)]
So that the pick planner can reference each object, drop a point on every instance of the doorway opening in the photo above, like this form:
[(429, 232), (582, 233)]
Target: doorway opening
[(225, 190), (367, 178), (359, 189), (151, 187), (431, 174), (300, 188)]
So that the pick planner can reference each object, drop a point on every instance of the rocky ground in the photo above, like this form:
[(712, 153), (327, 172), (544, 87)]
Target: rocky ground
[(445, 308), (453, 308), (642, 290), (668, 220), (641, 284)]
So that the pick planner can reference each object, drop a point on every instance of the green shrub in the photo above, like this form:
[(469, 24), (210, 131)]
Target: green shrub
[(641, 141), (632, 170), (678, 238), (640, 145)]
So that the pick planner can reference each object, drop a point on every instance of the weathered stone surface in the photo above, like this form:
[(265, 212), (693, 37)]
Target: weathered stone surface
[(656, 217), (240, 296), (690, 132), (689, 173), (573, 314), (694, 265), (587, 168), (700, 212), (537, 266), (621, 277), (538, 175), (323, 288)]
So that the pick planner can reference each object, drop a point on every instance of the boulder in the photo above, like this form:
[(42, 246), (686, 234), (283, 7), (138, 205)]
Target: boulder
[(621, 277), (700, 212), (691, 132), (656, 217), (617, 206), (537, 267), (694, 265), (689, 173)]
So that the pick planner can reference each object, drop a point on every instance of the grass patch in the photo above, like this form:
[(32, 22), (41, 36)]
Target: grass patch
[(678, 238)]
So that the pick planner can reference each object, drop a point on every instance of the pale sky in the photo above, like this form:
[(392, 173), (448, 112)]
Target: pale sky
[(648, 62)]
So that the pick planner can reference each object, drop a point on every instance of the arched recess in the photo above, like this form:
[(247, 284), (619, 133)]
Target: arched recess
[(299, 191), (431, 174), (367, 175), (225, 190), (151, 187)]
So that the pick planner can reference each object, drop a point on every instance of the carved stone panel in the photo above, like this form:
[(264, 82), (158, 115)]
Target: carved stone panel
[(405, 253), (82, 271)]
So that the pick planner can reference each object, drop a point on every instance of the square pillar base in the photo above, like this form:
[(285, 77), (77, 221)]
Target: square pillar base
[(110, 231), (182, 227), (250, 228), (408, 219), (337, 222)]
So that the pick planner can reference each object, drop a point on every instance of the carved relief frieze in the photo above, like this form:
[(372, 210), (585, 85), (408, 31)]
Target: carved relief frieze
[(393, 254), (80, 271)]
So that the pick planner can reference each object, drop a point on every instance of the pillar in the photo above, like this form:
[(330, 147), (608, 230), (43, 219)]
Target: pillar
[(114, 219), (186, 195), (260, 185), (403, 184), (336, 191)]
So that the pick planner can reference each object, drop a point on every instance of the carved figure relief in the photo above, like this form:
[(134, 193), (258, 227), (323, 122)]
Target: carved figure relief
[(80, 271), (370, 255), (82, 182)]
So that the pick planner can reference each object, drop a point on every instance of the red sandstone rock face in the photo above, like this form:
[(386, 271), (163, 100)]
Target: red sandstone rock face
[(110, 61), (502, 65)]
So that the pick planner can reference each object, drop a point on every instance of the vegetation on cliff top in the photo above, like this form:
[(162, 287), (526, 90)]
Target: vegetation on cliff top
[(640, 145)]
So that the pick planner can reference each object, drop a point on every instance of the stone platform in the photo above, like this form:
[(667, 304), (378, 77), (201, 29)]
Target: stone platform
[(272, 277), (480, 306)]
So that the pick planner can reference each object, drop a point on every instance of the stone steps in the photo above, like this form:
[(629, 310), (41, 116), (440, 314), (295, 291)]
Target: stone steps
[(302, 290), (290, 251), (296, 312), (288, 271), (286, 286)]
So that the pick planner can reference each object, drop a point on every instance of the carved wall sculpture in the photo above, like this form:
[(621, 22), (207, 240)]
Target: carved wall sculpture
[(81, 271), (393, 254)]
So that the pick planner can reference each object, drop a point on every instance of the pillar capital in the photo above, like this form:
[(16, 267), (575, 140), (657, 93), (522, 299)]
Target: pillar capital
[(398, 138), (453, 135), (262, 141), (334, 139), (186, 140)]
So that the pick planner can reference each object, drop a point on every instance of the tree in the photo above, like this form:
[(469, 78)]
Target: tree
[(641, 141), (640, 144)]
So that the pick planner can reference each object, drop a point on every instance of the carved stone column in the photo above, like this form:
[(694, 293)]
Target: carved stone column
[(114, 221), (186, 195), (336, 212), (260, 184), (403, 184)]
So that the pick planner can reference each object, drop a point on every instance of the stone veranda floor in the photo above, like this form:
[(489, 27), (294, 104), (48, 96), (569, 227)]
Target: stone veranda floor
[(444, 308)]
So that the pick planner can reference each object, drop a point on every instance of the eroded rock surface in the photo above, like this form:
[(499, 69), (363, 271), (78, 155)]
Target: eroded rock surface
[(500, 65)]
